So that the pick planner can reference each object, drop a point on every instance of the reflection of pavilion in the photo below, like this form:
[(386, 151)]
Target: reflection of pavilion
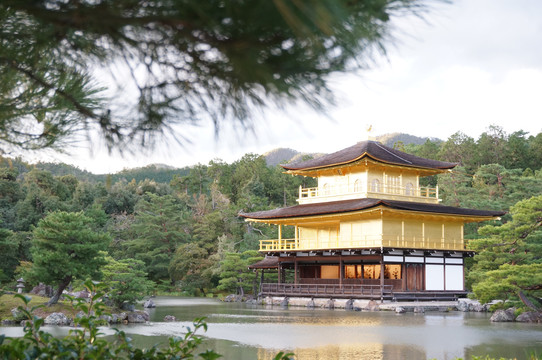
[(368, 230), (355, 351)]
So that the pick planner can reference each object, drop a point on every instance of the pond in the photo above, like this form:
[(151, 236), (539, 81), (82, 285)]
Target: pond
[(241, 331)]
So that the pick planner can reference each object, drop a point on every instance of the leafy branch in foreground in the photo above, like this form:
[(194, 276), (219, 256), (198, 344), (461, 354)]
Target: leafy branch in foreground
[(180, 62), (86, 342)]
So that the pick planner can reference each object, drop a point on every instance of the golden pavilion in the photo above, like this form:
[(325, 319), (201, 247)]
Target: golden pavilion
[(368, 230)]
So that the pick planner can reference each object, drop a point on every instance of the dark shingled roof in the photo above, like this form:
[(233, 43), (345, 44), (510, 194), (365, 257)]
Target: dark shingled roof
[(373, 150), (334, 207), (269, 262)]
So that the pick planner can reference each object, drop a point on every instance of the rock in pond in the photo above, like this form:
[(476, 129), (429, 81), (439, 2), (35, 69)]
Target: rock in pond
[(57, 319), (137, 317), (149, 304), (503, 315), (530, 317), (372, 306), (419, 310)]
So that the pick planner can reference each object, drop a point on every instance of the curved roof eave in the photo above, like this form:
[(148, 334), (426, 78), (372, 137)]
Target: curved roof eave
[(348, 206)]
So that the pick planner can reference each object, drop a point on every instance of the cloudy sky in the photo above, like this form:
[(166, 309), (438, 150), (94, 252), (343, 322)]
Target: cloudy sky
[(469, 65)]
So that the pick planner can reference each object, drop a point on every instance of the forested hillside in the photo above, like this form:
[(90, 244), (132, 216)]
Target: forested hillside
[(182, 226)]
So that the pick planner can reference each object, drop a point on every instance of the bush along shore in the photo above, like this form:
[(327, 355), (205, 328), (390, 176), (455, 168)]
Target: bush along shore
[(65, 312), (85, 341)]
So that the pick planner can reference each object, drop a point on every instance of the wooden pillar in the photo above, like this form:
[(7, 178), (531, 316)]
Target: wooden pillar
[(280, 237), (296, 237), (341, 271), (295, 271), (280, 272), (382, 279), (404, 275)]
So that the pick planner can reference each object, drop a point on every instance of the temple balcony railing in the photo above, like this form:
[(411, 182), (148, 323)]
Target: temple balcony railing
[(348, 192), (326, 290), (370, 241)]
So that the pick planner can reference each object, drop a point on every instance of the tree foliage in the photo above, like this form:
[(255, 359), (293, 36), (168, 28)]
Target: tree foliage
[(126, 281), (234, 273), (509, 256), (161, 224), (190, 267), (65, 248)]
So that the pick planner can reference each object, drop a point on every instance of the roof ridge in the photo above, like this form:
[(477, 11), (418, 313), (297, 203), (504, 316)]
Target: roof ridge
[(389, 152)]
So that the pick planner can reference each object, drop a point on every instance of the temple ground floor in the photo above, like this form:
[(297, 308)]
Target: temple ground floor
[(384, 274)]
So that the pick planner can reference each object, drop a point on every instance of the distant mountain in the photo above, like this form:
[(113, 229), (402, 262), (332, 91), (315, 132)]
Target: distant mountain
[(279, 156), (61, 169), (158, 172), (284, 155), (391, 139)]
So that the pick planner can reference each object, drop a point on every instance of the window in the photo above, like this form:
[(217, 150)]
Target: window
[(393, 184), (375, 185), (326, 189), (391, 271), (409, 189), (357, 186), (352, 272), (329, 272), (371, 271)]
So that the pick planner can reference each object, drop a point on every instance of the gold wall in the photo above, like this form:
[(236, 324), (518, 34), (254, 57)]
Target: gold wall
[(387, 231)]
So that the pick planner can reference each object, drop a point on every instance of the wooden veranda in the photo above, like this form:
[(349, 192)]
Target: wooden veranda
[(328, 290)]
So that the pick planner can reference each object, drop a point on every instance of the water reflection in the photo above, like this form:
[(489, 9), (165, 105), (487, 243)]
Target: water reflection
[(325, 334), (241, 331)]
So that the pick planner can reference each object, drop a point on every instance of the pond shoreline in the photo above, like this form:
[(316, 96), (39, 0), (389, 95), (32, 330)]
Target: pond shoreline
[(465, 305)]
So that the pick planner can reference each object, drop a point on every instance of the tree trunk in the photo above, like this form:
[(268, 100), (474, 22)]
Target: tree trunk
[(63, 284), (528, 302)]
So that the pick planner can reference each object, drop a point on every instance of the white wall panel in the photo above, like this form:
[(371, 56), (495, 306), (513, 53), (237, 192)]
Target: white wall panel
[(434, 277), (454, 277)]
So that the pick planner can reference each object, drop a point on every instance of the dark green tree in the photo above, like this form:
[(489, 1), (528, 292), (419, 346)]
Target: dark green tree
[(234, 274), (221, 174), (8, 255), (190, 266), (43, 193), (10, 193), (509, 257), (535, 152), (492, 145), (65, 248), (517, 151), (126, 281), (462, 149), (121, 198), (160, 225), (86, 194)]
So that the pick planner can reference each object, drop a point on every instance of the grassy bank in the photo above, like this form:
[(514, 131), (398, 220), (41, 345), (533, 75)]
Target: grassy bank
[(9, 301)]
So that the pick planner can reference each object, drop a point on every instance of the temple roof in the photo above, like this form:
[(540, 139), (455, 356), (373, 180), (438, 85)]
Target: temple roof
[(371, 149), (345, 206), (269, 262)]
